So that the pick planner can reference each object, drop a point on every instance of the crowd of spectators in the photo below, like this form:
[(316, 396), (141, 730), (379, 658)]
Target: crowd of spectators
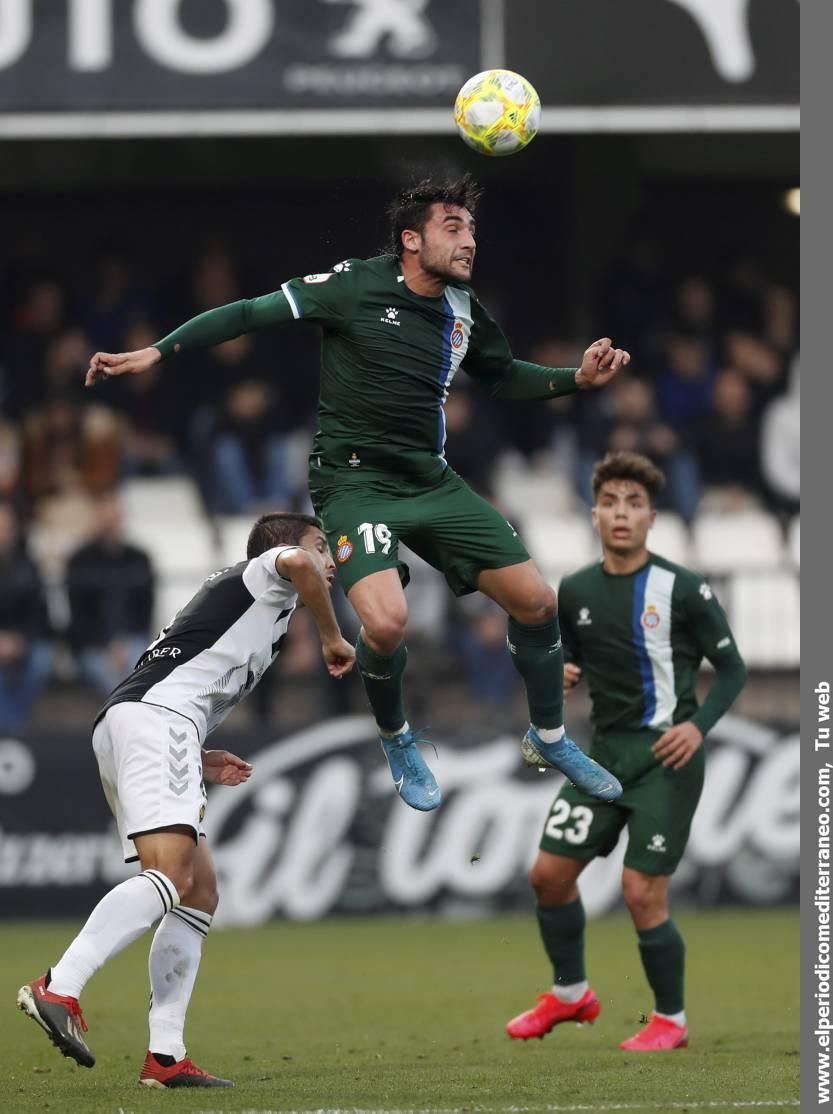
[(712, 395)]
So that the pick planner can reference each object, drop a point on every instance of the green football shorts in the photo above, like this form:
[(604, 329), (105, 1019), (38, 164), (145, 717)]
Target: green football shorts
[(447, 524), (657, 806)]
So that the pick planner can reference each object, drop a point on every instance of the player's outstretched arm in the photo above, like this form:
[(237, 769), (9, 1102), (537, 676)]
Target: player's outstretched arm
[(314, 591), (204, 331)]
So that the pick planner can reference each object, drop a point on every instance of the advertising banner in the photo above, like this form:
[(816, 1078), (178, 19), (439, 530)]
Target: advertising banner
[(319, 828), (190, 67)]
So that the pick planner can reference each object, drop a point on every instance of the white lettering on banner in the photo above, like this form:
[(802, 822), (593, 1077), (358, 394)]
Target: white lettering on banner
[(319, 827), (90, 35), (401, 24), (61, 859), (17, 767), (247, 31), (291, 855), (15, 30)]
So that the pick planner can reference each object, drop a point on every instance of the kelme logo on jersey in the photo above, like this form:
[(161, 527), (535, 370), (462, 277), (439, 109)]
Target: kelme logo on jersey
[(584, 619), (657, 843), (318, 278), (391, 317), (650, 617), (344, 549), (457, 336)]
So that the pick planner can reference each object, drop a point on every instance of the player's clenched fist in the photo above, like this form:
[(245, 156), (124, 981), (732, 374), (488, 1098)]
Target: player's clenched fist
[(601, 361), (572, 676), (105, 365), (339, 656)]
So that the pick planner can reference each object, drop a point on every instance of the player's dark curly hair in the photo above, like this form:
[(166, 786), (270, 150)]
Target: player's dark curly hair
[(411, 207), (629, 466), (278, 528)]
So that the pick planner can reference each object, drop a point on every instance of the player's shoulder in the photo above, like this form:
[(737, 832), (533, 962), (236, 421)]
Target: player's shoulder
[(687, 582)]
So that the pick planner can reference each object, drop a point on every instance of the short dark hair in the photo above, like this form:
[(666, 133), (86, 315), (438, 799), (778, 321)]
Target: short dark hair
[(411, 207), (629, 466), (279, 528)]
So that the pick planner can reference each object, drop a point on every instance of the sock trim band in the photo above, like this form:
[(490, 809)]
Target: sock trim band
[(162, 887), (197, 926)]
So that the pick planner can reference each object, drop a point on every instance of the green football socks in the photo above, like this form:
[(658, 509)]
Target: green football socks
[(382, 677), (539, 658), (562, 931), (663, 957)]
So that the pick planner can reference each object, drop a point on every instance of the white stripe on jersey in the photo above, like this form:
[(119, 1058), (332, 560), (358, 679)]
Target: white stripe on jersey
[(460, 303), (290, 297), (659, 587)]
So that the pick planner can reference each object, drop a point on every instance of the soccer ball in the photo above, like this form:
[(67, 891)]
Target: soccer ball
[(497, 112)]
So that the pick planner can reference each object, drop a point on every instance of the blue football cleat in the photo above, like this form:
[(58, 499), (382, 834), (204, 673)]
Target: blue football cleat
[(584, 772), (414, 782)]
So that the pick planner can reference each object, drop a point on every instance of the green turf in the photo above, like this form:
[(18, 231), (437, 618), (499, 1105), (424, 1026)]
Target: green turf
[(409, 1014)]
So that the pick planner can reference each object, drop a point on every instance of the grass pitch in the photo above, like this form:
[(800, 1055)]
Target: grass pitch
[(408, 1014)]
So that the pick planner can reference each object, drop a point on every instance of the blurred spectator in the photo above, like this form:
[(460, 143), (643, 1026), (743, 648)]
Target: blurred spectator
[(25, 659), (684, 383), (114, 304), (757, 361), (150, 436), (477, 633), (37, 321), (244, 442), (111, 594), (781, 443), (695, 311), (781, 324), (632, 424), (67, 447), (11, 461), (727, 444)]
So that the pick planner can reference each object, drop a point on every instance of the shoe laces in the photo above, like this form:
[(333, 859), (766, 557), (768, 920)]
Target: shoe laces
[(190, 1068), (75, 1010)]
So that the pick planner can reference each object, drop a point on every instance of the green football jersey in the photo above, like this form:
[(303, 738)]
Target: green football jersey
[(388, 358), (640, 640)]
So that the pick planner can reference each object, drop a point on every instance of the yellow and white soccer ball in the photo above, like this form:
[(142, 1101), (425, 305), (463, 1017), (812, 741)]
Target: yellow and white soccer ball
[(497, 112)]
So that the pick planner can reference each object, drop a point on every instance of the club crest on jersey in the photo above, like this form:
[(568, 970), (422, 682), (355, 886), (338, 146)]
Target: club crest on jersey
[(457, 335), (650, 617), (344, 549)]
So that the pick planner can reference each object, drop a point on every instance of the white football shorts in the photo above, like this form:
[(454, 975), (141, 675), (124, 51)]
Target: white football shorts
[(150, 762)]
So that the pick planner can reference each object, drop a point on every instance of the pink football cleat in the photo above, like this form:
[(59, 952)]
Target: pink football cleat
[(659, 1035), (550, 1012)]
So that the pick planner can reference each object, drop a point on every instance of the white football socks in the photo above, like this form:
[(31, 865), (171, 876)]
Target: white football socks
[(120, 917), (677, 1018), (572, 993), (550, 734), (174, 961)]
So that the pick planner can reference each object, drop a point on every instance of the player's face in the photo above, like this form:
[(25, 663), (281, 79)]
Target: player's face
[(623, 515), (446, 245), (314, 542)]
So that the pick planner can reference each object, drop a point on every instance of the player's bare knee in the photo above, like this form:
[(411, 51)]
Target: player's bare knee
[(386, 631), (538, 608), (645, 900), (549, 886), (202, 896)]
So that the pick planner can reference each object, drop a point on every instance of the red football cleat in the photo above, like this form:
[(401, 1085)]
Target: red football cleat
[(184, 1073), (661, 1034), (550, 1012), (60, 1018)]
